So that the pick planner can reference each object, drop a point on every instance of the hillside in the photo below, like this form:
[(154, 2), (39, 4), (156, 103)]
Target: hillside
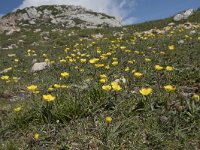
[(54, 16), (130, 87)]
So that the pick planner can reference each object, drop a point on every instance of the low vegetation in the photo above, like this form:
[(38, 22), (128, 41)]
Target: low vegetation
[(124, 90)]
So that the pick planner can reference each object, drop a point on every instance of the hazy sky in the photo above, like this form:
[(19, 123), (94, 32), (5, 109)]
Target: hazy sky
[(129, 11)]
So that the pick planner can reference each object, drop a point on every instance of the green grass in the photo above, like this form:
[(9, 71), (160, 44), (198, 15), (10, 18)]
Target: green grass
[(76, 118)]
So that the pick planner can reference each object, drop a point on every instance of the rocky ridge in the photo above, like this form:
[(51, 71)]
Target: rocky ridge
[(63, 16)]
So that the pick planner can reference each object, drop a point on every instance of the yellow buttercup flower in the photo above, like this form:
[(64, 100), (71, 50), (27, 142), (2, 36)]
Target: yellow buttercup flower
[(64, 86), (171, 47), (195, 97), (169, 88), (93, 60), (106, 87), (123, 47), (115, 63), (158, 67), (147, 60), (116, 86), (99, 65), (137, 74), (48, 98), (104, 80), (103, 76), (131, 61), (107, 67), (63, 61), (5, 77), (32, 88), (146, 91), (127, 69), (83, 60), (50, 89), (57, 86), (36, 136), (108, 119), (65, 74), (17, 109), (169, 68)]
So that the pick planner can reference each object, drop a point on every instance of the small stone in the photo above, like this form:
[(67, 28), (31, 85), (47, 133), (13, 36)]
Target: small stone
[(40, 66)]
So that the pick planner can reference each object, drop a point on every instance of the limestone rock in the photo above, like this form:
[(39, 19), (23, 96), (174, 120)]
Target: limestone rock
[(183, 15), (40, 66)]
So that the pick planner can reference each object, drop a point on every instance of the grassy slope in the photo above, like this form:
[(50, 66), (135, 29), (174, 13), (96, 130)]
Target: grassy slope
[(160, 121)]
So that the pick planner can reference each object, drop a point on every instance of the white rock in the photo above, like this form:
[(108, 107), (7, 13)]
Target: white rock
[(11, 55), (40, 66), (32, 12), (192, 32), (4, 71), (183, 15), (32, 22), (171, 24), (181, 42)]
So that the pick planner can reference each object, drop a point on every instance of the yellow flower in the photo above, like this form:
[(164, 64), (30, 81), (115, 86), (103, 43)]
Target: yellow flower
[(162, 52), (137, 74), (64, 86), (57, 86), (103, 76), (147, 60), (104, 80), (106, 87), (116, 86), (158, 67), (123, 47), (83, 60), (195, 97), (36, 136), (65, 74), (115, 63), (32, 88), (127, 69), (169, 68), (16, 60), (17, 109), (44, 55), (93, 60), (5, 77), (169, 88), (171, 47), (15, 79), (63, 61), (146, 91), (99, 65), (50, 89), (131, 61), (107, 67), (47, 60), (108, 119), (48, 98)]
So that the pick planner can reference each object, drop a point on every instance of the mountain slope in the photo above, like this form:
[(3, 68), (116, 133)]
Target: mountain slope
[(131, 87)]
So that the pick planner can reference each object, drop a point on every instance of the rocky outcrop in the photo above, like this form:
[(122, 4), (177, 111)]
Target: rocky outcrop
[(65, 16), (183, 15)]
